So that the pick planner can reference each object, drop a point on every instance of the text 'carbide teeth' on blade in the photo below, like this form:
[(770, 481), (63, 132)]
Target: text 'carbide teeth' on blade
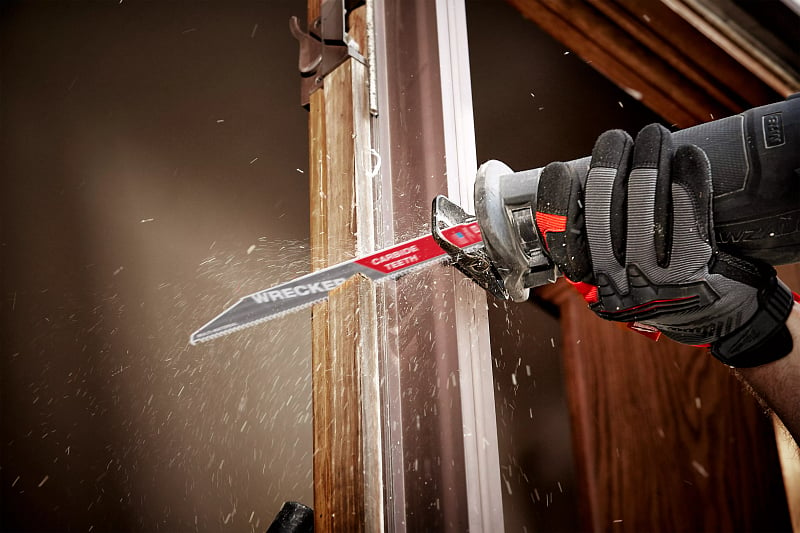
[(307, 290)]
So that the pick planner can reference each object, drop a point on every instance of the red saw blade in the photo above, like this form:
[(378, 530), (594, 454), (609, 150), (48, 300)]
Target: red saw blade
[(311, 288)]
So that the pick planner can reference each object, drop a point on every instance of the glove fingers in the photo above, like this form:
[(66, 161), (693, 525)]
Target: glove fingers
[(649, 196), (692, 171), (606, 199), (560, 221)]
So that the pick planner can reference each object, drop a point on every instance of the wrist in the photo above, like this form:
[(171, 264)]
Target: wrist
[(764, 337)]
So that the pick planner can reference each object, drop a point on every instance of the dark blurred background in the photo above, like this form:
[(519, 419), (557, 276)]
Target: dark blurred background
[(153, 160)]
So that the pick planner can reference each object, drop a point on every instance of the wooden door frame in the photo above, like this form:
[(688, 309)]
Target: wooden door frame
[(364, 336)]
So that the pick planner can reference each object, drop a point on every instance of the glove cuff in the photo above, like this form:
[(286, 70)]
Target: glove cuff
[(764, 338)]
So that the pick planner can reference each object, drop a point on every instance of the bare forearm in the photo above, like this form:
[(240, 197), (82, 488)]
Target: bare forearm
[(778, 383)]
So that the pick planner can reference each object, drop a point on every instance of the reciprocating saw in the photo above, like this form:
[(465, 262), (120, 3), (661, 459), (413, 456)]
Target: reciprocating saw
[(755, 166)]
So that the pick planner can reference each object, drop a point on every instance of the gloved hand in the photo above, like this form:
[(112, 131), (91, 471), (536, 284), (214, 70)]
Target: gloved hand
[(638, 242)]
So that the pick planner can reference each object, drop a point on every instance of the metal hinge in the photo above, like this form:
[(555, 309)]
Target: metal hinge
[(325, 45)]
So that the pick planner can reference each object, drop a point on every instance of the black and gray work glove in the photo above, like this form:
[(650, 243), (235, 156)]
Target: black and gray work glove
[(637, 240)]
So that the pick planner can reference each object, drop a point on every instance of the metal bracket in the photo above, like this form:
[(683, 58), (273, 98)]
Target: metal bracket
[(474, 263), (325, 45)]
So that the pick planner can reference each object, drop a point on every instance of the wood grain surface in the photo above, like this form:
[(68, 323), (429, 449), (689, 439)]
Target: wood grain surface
[(338, 472), (340, 326), (645, 48), (666, 438)]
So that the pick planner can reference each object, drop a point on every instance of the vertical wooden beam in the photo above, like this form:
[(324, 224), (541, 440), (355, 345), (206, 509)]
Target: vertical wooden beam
[(343, 328), (343, 506), (313, 10), (318, 180), (338, 479)]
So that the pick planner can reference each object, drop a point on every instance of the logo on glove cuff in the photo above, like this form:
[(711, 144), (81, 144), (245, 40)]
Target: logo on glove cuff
[(773, 130)]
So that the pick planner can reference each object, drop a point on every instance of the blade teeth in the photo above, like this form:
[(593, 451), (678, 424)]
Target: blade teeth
[(443, 260), (256, 322)]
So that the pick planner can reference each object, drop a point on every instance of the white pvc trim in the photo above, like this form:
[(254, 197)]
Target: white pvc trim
[(481, 455), (394, 497), (459, 125)]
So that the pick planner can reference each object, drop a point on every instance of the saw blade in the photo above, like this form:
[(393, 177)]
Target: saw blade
[(309, 289)]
